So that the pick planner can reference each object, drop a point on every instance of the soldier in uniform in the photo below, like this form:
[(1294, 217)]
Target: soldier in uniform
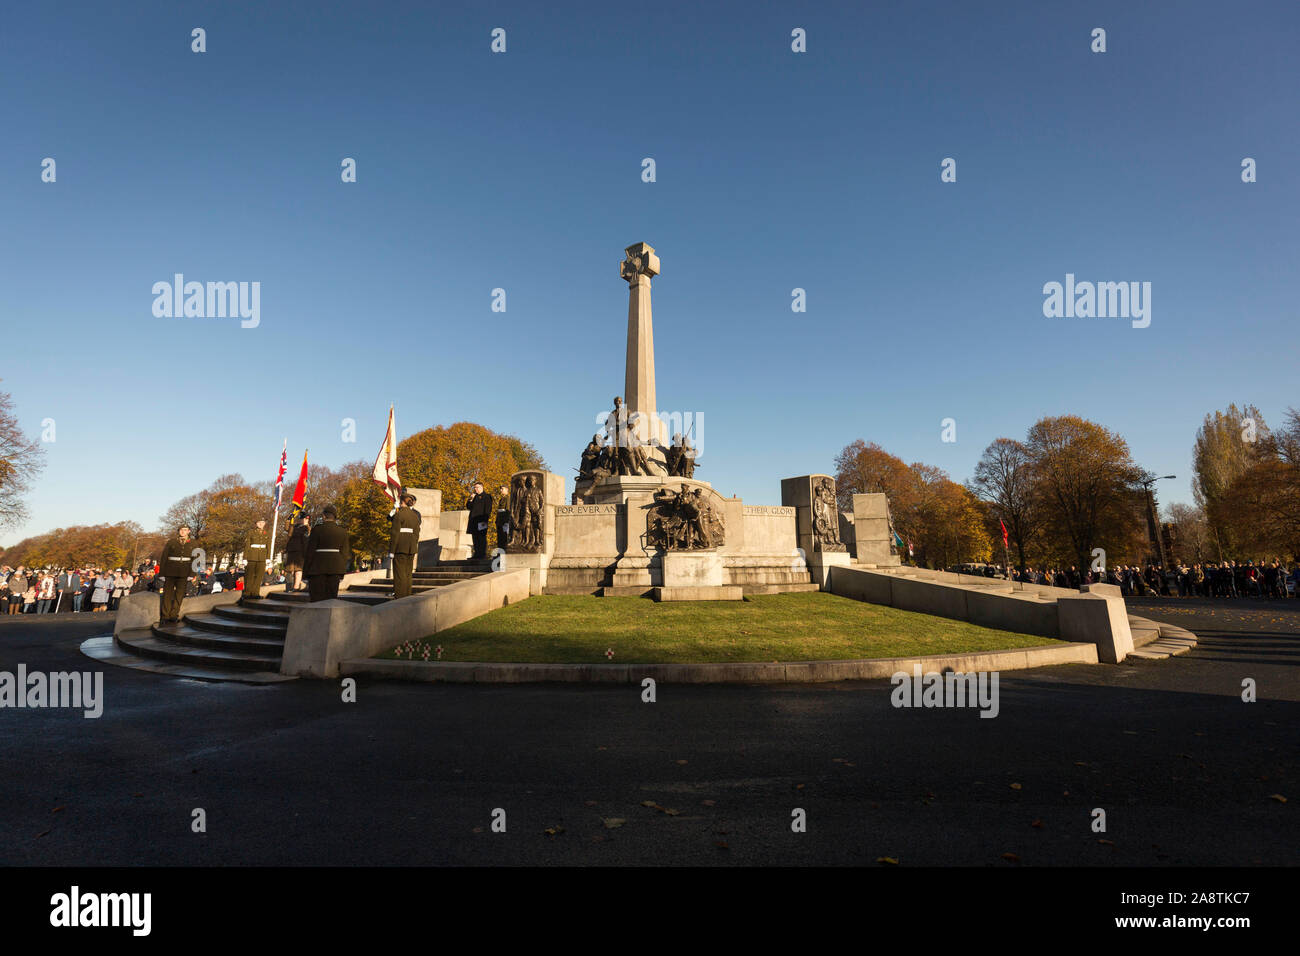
[(175, 569), (403, 544), (504, 525), (257, 549), (295, 551), (329, 549)]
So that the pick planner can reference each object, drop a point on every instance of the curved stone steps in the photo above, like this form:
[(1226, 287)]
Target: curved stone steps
[(224, 625), (104, 648), (300, 597), (152, 644), (254, 612), (269, 645)]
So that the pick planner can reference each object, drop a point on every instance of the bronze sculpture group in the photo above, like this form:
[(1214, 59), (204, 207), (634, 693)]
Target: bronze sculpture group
[(683, 521), (618, 450)]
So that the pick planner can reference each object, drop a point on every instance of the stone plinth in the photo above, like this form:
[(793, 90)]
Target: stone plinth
[(821, 562), (1097, 617), (817, 518), (454, 540), (727, 592), (691, 569), (871, 532), (616, 489), (428, 502)]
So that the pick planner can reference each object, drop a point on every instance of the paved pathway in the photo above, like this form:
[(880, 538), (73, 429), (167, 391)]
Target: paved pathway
[(289, 774)]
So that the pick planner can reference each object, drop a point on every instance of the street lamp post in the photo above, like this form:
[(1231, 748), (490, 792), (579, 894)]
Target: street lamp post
[(1153, 528)]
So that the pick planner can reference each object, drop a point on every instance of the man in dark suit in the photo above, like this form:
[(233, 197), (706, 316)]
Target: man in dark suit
[(480, 513), (403, 544), (329, 549), (69, 585)]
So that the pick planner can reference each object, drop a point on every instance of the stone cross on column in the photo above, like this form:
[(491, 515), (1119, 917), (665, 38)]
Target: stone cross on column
[(639, 265)]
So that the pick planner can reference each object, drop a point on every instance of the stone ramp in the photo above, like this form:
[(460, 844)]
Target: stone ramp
[(1095, 615)]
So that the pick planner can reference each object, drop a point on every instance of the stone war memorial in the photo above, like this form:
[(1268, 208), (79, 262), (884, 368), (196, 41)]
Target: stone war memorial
[(641, 521)]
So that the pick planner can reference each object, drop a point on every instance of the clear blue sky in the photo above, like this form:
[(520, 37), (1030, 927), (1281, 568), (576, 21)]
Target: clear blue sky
[(522, 170)]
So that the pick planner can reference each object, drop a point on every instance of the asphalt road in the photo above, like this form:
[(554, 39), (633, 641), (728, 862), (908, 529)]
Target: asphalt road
[(411, 774)]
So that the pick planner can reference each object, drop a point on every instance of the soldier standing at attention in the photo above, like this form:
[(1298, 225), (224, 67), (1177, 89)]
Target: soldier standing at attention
[(479, 507), (329, 549), (257, 548), (503, 517), (175, 570), (403, 544), (294, 553)]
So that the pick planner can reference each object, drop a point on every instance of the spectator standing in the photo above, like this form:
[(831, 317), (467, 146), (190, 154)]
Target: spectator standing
[(16, 585), (103, 590), (45, 594)]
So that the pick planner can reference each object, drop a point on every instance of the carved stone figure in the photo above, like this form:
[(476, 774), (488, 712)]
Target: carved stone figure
[(826, 518), (681, 458), (594, 466), (683, 521), (527, 512)]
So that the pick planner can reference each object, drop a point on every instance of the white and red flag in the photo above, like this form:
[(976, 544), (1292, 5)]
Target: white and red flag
[(279, 478), (385, 472)]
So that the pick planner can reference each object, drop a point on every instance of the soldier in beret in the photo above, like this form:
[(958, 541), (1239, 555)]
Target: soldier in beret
[(403, 544), (175, 569), (257, 549), (329, 549)]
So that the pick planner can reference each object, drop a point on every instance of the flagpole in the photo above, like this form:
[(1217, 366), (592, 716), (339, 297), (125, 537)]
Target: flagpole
[(275, 518)]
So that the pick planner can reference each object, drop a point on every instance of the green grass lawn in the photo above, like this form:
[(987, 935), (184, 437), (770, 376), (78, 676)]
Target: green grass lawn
[(770, 627)]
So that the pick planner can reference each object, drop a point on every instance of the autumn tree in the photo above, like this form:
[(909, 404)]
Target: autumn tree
[(1227, 444), (120, 545), (364, 510), (1085, 486), (21, 460), (944, 521), (1191, 532), (1004, 478), (864, 468), (452, 458)]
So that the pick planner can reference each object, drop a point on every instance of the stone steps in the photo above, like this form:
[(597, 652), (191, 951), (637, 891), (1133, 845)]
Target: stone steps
[(161, 646), (189, 633), (255, 612), (300, 597), (235, 627), (106, 649), (245, 641)]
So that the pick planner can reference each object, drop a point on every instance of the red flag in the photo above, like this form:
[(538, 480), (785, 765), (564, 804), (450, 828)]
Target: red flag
[(299, 493), (1004, 532)]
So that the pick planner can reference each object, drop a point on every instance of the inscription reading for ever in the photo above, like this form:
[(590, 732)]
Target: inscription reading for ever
[(587, 509)]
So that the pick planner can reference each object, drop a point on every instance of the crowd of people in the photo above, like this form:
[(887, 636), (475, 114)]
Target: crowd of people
[(1227, 579), (77, 590)]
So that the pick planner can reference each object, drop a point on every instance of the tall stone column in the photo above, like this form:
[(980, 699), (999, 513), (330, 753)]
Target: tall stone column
[(638, 267)]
